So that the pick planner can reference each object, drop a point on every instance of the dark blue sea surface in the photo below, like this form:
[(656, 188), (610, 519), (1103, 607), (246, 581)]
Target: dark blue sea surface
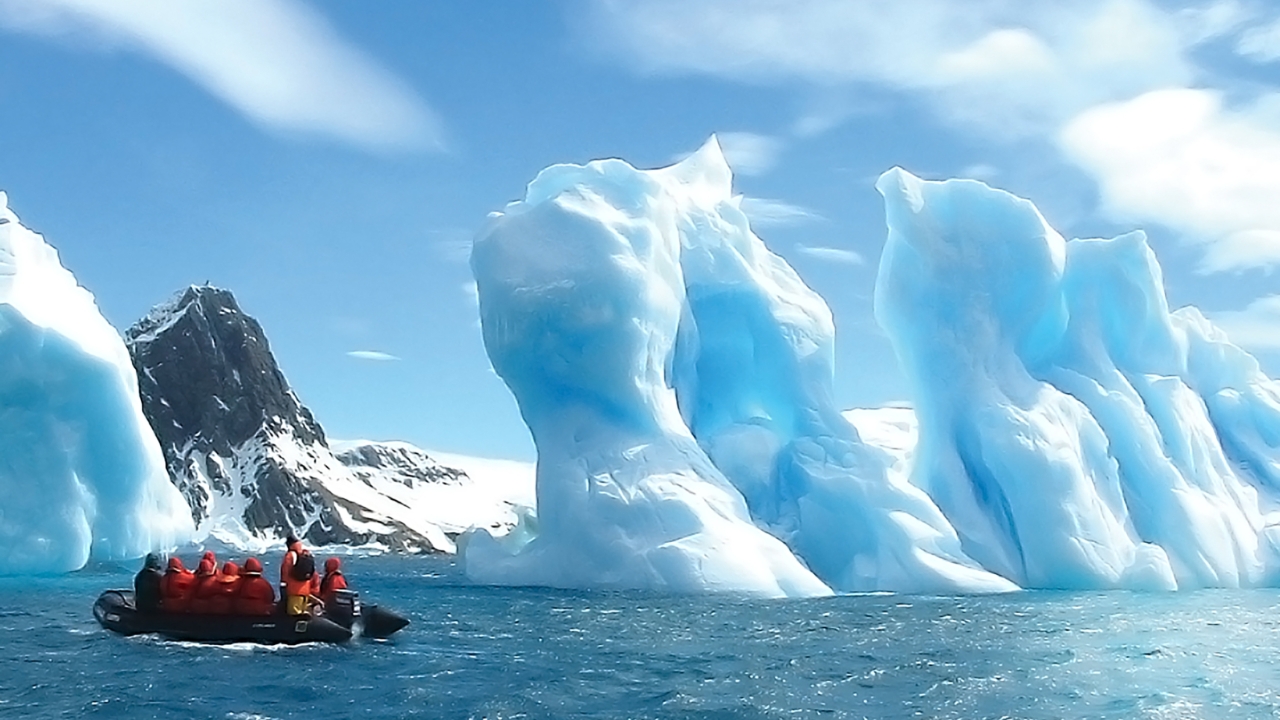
[(478, 652)]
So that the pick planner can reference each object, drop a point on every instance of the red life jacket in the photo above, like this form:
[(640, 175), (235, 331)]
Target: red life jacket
[(293, 586), (175, 590), (256, 596), (333, 582), (202, 596), (225, 588)]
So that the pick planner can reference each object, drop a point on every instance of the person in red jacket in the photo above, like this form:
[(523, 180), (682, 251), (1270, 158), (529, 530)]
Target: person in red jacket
[(205, 588), (256, 596), (225, 588), (333, 580), (213, 560), (175, 588)]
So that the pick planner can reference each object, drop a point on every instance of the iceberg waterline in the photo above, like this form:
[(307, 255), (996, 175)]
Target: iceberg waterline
[(676, 377)]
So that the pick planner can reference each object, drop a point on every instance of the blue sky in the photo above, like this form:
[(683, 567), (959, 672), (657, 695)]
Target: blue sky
[(329, 161)]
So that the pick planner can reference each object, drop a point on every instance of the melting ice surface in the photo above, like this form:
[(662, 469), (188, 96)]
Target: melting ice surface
[(676, 376), (1075, 432), (581, 297), (81, 472)]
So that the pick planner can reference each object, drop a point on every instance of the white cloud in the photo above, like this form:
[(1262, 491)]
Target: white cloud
[(371, 355), (472, 293), (832, 255), (1180, 158), (276, 61), (1095, 75), (1261, 43), (749, 153), (1204, 22), (1007, 67), (452, 244), (1257, 327), (764, 212), (979, 171)]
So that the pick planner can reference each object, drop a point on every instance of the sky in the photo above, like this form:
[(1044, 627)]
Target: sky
[(329, 162)]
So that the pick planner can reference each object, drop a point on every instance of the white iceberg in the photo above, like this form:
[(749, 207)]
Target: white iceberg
[(82, 474), (581, 297), (753, 375), (1075, 432)]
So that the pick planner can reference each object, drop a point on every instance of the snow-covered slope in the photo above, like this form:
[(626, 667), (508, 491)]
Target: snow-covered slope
[(253, 462), (445, 499), (581, 295), (82, 473), (1075, 432)]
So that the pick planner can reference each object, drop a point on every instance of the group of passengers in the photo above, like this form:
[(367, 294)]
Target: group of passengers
[(236, 590)]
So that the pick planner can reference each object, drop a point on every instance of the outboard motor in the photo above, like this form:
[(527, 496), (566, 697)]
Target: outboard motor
[(344, 608)]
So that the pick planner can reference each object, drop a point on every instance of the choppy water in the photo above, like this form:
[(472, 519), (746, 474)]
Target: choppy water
[(476, 652)]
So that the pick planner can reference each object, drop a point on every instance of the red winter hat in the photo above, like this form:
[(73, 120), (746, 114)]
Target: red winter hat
[(175, 563), (206, 567), (208, 555), (231, 569), (252, 565), (332, 564)]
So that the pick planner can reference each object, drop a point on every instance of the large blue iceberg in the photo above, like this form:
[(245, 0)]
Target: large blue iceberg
[(1075, 432), (581, 300), (81, 473), (677, 379)]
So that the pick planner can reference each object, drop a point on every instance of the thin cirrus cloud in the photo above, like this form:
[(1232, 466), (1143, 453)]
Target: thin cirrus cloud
[(1009, 68), (747, 153), (372, 355), (1257, 327), (1261, 43), (763, 212), (831, 255), (276, 61)]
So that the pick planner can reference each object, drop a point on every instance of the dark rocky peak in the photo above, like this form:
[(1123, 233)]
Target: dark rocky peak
[(219, 377)]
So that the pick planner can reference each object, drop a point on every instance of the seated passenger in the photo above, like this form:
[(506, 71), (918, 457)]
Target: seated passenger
[(146, 585), (175, 588), (225, 588), (256, 596), (204, 590), (333, 580)]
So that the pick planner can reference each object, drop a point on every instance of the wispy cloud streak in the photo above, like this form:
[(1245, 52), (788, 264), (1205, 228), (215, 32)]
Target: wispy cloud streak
[(276, 61), (839, 256), (372, 355)]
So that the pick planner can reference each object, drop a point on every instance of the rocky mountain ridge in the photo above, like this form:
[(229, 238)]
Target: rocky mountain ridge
[(251, 460)]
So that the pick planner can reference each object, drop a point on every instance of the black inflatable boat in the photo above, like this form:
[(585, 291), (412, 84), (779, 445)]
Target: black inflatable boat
[(115, 611)]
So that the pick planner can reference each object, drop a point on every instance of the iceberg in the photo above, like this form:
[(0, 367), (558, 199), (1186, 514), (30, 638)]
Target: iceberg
[(1067, 429), (1073, 430), (82, 474), (753, 374), (582, 297), (676, 377)]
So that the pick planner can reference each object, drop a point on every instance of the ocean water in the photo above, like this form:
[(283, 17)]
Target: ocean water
[(477, 652)]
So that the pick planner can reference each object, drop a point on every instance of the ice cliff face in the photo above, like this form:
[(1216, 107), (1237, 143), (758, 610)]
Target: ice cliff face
[(82, 474), (753, 374), (251, 460), (1075, 432), (676, 377), (581, 297)]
